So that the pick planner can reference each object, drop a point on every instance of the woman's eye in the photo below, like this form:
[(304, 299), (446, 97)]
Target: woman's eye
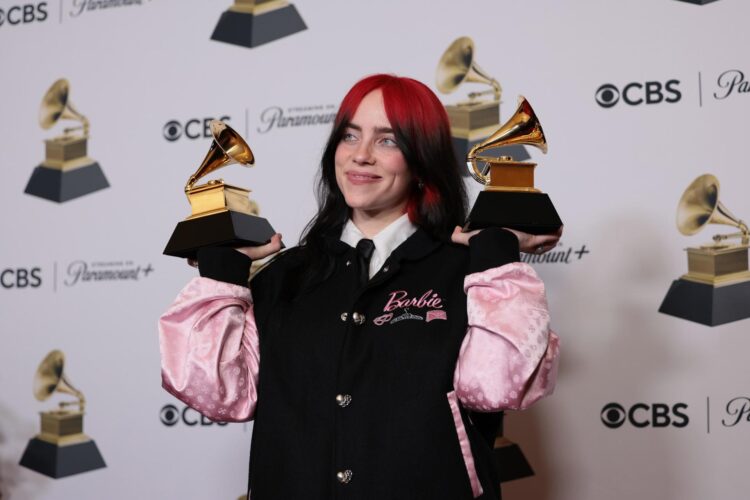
[(389, 141), (349, 137)]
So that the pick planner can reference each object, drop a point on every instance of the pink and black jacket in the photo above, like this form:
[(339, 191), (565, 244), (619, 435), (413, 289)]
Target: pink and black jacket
[(362, 392)]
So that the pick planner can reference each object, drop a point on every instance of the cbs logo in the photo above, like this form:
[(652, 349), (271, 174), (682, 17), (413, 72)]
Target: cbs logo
[(637, 93), (27, 13), (641, 415), (21, 278), (194, 128), (170, 416)]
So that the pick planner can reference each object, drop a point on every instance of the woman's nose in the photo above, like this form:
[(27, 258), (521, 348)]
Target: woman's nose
[(363, 153)]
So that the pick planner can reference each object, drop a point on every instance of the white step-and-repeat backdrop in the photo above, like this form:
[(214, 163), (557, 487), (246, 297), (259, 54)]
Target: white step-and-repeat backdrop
[(637, 99)]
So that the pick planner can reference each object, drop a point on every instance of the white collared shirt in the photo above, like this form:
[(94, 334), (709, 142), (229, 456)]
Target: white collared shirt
[(386, 241)]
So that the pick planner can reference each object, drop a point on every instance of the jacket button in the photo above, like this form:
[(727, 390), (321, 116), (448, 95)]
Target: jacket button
[(343, 400), (358, 318), (385, 269), (348, 263), (344, 316), (344, 476)]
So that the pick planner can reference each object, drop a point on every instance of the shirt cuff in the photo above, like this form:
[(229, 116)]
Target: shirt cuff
[(492, 247), (224, 264)]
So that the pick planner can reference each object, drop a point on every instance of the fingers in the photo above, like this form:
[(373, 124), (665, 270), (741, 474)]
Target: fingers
[(263, 251), (461, 237)]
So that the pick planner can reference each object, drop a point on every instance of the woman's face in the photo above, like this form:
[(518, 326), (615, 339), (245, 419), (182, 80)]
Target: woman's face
[(370, 169)]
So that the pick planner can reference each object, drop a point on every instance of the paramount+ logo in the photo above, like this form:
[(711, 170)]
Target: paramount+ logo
[(641, 415), (27, 13), (638, 93), (193, 128)]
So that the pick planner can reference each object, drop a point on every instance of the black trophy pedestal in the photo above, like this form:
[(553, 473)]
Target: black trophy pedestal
[(706, 304), (510, 464), (225, 228), (698, 2), (60, 461), (251, 30), (531, 213), (63, 185)]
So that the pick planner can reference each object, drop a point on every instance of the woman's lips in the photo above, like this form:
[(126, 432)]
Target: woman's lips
[(359, 178)]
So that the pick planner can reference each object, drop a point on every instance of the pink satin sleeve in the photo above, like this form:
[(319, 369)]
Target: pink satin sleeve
[(509, 357), (209, 350)]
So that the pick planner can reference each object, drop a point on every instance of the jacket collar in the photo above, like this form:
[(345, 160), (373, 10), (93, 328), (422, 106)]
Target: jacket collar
[(418, 245)]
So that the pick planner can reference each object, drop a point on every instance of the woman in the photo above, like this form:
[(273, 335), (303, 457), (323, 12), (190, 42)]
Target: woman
[(358, 363)]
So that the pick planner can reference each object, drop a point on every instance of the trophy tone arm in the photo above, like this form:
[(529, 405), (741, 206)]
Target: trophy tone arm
[(471, 165)]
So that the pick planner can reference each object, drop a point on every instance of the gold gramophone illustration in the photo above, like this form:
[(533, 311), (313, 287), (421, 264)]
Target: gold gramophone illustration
[(67, 172), (509, 198), (716, 288), (250, 23), (61, 448), (222, 214)]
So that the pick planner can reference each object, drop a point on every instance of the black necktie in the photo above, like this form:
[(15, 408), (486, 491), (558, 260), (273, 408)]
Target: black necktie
[(365, 248)]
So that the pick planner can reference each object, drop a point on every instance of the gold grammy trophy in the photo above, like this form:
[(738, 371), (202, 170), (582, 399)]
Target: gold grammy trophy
[(509, 198), (67, 172), (61, 448), (250, 23), (221, 214), (716, 288)]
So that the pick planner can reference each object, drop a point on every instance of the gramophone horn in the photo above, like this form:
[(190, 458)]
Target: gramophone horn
[(56, 106), (457, 65), (49, 378), (228, 147), (700, 205), (522, 128)]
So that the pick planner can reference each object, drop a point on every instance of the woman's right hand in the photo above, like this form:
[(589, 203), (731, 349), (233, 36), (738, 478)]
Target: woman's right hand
[(262, 251)]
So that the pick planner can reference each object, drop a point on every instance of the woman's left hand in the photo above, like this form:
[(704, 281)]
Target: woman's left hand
[(527, 243)]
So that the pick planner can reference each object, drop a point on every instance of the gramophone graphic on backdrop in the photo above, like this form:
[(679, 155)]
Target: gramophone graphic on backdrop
[(250, 23), (476, 118), (222, 214), (67, 172), (61, 448), (716, 288)]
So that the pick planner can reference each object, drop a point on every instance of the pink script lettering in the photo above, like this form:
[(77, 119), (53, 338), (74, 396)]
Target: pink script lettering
[(400, 299)]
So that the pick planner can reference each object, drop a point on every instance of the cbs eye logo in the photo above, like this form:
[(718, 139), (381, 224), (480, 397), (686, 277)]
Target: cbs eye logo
[(640, 415), (195, 128), (636, 93), (613, 415), (170, 415)]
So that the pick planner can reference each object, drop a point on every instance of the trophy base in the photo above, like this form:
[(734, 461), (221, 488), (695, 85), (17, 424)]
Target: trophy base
[(62, 185), (706, 304), (510, 463), (224, 228), (698, 2), (251, 30), (531, 213), (61, 461)]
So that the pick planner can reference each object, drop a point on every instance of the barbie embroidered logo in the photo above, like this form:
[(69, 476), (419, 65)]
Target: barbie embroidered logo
[(400, 299)]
